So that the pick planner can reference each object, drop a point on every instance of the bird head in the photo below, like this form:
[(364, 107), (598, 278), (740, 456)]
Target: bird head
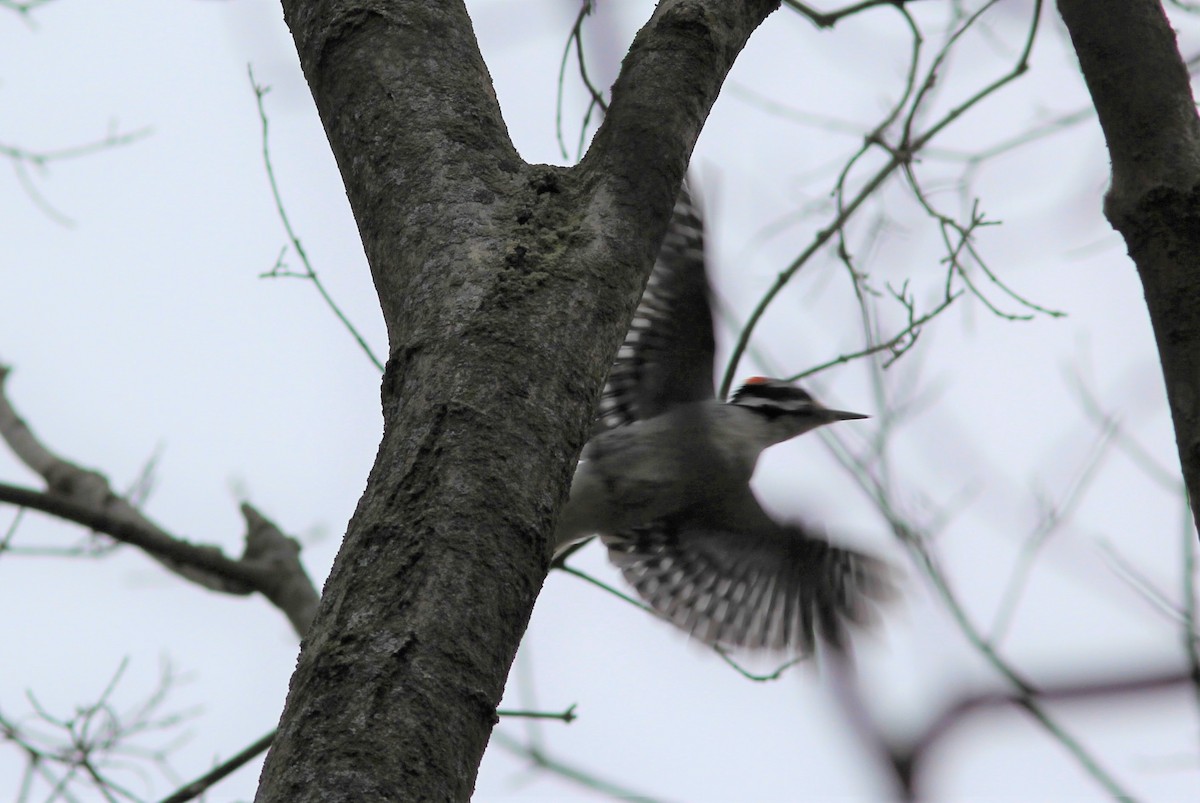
[(786, 407)]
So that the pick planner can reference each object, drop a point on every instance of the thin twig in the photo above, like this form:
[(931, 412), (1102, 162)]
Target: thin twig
[(1140, 455), (900, 155), (1055, 516), (905, 337), (718, 649), (42, 158), (1191, 639), (23, 7), (221, 771), (23, 159), (1027, 695), (568, 771), (224, 769), (93, 743), (1142, 585), (827, 19), (568, 716), (596, 97), (280, 270)]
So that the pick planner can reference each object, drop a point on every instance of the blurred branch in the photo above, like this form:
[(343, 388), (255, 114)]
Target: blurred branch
[(718, 649), (1191, 639), (1138, 454), (226, 768), (1054, 516), (280, 270), (220, 772), (907, 760), (606, 587), (1055, 125), (23, 7), (768, 105), (1143, 586), (582, 777), (41, 159), (842, 681), (24, 160), (94, 745), (1025, 694), (11, 532), (1184, 615), (270, 562)]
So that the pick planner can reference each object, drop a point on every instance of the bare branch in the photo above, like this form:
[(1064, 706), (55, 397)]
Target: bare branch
[(23, 7), (580, 776), (915, 539), (220, 772), (900, 155), (90, 748), (270, 563), (899, 343), (827, 19), (40, 159), (1074, 690), (25, 159), (568, 716), (280, 270), (1054, 516), (596, 97)]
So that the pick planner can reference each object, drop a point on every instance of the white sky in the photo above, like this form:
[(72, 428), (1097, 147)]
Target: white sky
[(144, 326)]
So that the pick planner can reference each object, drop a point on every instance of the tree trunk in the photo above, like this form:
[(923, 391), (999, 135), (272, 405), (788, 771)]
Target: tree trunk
[(1140, 87), (506, 288)]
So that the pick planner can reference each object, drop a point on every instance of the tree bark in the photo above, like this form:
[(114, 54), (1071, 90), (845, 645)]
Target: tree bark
[(1140, 87), (506, 289)]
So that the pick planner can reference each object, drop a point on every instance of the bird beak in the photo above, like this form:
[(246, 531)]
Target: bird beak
[(841, 415)]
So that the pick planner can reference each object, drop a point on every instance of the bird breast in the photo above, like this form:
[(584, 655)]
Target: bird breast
[(659, 467)]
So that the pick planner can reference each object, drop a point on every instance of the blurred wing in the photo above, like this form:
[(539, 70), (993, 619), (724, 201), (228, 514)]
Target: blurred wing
[(767, 587), (667, 357)]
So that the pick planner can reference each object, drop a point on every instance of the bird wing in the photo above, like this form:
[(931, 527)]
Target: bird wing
[(752, 583), (667, 356)]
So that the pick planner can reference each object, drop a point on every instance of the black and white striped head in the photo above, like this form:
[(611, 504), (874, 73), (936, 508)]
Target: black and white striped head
[(787, 405)]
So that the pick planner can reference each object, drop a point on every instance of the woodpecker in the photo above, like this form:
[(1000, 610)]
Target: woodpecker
[(665, 481)]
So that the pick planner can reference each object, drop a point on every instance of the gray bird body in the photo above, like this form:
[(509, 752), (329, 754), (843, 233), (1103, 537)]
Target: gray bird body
[(665, 481), (660, 467)]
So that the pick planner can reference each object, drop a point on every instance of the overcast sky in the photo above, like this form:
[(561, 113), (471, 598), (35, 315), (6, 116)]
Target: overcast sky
[(134, 316)]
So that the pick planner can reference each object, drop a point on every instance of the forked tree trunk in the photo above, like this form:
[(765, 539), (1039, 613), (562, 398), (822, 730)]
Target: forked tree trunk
[(506, 288)]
